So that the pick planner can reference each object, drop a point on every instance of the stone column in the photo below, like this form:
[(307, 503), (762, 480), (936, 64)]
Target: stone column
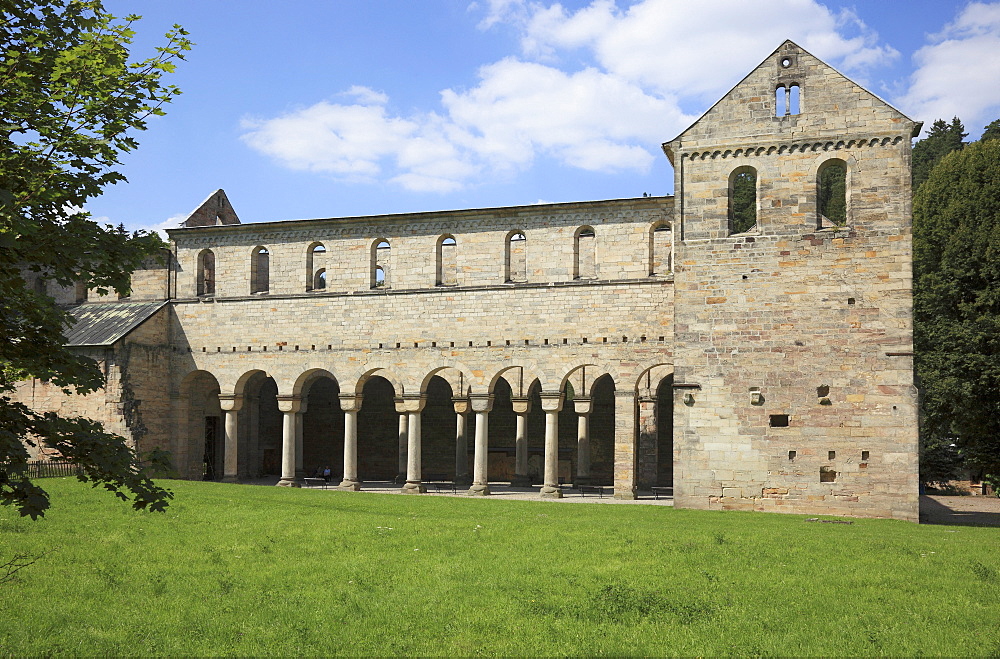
[(462, 478), (300, 471), (552, 402), (481, 405), (647, 453), (413, 405), (625, 453), (583, 408), (522, 406), (350, 403), (231, 406), (403, 441), (289, 406)]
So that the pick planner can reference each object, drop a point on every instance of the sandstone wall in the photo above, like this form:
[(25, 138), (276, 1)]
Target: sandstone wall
[(793, 342)]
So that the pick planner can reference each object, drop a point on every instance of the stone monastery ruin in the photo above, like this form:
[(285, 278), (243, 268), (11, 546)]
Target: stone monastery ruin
[(747, 341)]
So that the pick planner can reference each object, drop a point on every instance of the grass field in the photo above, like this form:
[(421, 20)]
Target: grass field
[(244, 570)]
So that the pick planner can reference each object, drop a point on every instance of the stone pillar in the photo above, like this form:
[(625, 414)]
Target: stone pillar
[(350, 403), (289, 406), (231, 406), (481, 405), (647, 454), (462, 477), (552, 402), (403, 442), (583, 408), (625, 436), (300, 471), (522, 406), (413, 405)]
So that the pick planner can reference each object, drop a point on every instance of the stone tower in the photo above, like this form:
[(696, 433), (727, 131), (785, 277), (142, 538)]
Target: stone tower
[(793, 298)]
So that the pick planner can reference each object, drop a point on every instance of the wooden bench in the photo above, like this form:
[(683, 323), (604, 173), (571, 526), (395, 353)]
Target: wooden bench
[(315, 482), (662, 491), (592, 489)]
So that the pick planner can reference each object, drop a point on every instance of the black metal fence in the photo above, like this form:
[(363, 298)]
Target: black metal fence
[(43, 469)]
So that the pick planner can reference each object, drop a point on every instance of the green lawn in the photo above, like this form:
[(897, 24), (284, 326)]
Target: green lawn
[(244, 570)]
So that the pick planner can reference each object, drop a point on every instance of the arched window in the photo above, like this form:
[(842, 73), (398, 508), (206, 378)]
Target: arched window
[(447, 265), (660, 248), (787, 100), (742, 200), (206, 272), (584, 265), (515, 260), (260, 270), (319, 280), (381, 251), (831, 194), (314, 265)]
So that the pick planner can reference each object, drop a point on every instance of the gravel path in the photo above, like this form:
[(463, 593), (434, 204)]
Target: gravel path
[(960, 511)]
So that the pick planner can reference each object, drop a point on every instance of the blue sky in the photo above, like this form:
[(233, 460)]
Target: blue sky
[(304, 109)]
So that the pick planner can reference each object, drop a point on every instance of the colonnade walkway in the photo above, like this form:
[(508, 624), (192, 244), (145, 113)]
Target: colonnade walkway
[(499, 491)]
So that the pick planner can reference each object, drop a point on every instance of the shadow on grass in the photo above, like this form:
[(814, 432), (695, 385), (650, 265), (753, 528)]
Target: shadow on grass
[(962, 512)]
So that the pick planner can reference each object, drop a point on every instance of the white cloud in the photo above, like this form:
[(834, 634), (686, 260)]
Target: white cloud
[(700, 49), (172, 222), (632, 71), (589, 119), (347, 140), (958, 72)]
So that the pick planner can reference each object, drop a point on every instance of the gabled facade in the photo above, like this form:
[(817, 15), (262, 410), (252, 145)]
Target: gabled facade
[(793, 331)]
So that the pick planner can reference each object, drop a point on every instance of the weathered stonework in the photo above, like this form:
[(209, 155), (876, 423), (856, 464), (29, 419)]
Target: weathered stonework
[(630, 342), (791, 318)]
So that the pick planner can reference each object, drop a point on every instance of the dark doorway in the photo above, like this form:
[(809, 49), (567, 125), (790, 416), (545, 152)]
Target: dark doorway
[(213, 451)]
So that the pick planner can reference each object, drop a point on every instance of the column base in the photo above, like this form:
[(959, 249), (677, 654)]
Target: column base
[(521, 480), (413, 488), (551, 492), (399, 479), (479, 490), (350, 486), (230, 479), (463, 481), (288, 482), (626, 495)]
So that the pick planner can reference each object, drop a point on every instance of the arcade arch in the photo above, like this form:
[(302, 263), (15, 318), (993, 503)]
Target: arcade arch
[(506, 427)]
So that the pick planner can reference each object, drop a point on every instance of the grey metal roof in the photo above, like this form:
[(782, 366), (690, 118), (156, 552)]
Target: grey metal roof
[(103, 324)]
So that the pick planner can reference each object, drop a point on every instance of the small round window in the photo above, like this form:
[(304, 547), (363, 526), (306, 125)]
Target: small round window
[(786, 62)]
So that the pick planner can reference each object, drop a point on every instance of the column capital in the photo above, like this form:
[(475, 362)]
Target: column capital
[(521, 405), (411, 403), (289, 403), (350, 402), (583, 405), (230, 403), (552, 401), (462, 405), (481, 402)]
